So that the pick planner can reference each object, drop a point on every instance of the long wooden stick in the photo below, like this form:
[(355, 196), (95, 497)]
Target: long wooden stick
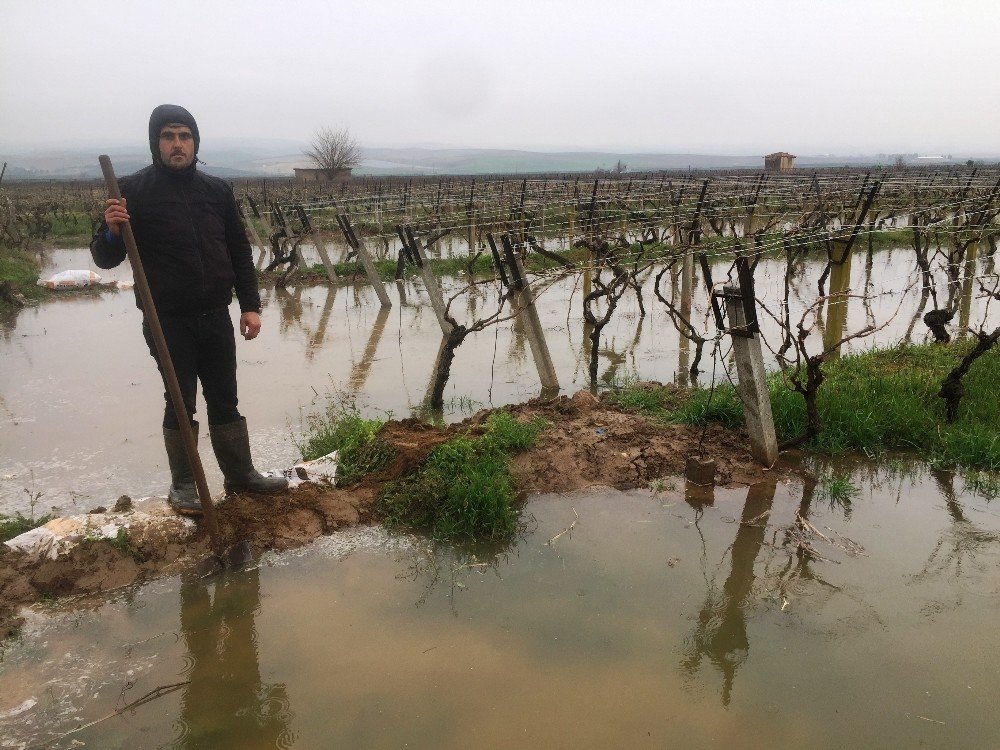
[(169, 374)]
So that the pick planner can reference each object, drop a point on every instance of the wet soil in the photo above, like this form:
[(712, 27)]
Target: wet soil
[(588, 442)]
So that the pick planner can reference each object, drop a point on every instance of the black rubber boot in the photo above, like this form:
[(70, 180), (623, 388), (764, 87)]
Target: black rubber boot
[(231, 443), (183, 494)]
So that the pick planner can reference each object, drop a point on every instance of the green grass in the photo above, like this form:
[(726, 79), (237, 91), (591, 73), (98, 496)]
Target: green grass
[(658, 404), (20, 269), (124, 544), (887, 400), (17, 524), (341, 427), (71, 229), (464, 490), (884, 400)]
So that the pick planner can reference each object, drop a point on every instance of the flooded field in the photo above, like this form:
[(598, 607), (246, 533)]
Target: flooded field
[(81, 401), (679, 618)]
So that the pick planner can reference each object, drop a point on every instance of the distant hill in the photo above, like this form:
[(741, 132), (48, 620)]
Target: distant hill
[(235, 158)]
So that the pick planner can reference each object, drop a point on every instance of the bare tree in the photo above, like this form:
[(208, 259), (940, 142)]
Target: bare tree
[(333, 150)]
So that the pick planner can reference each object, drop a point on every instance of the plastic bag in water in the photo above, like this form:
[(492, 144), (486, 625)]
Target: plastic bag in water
[(70, 280)]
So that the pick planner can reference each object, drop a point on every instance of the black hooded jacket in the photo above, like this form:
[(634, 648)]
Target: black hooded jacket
[(189, 232)]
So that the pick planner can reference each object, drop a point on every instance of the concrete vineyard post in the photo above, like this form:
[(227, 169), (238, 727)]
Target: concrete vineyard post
[(433, 289), (535, 333), (253, 235), (752, 382), (837, 303), (965, 306), (308, 226)]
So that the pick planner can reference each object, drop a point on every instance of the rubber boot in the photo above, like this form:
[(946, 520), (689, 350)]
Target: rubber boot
[(231, 443), (183, 494)]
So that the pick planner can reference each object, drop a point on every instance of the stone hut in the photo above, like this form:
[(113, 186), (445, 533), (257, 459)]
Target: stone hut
[(779, 161)]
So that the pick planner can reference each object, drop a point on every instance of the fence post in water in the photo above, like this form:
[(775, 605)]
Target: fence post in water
[(687, 282), (366, 259), (252, 233), (318, 241), (430, 282), (965, 305), (836, 306), (525, 301), (752, 380), (264, 221)]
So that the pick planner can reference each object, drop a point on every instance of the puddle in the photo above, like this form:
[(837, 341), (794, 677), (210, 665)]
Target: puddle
[(81, 402), (619, 618)]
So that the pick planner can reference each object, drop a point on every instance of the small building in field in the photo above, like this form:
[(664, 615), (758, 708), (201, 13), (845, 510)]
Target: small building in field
[(779, 161), (311, 175)]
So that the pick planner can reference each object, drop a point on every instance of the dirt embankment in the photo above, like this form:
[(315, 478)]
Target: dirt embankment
[(588, 442)]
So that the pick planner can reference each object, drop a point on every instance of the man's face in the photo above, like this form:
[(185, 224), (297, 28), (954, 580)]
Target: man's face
[(176, 146)]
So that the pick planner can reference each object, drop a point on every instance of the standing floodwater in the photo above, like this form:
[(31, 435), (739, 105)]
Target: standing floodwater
[(81, 401), (678, 618)]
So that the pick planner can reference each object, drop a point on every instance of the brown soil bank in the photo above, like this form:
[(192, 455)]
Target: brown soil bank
[(588, 442)]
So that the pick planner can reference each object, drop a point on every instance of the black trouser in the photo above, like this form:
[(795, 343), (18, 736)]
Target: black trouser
[(202, 347)]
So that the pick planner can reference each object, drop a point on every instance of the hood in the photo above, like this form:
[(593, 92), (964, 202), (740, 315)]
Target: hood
[(164, 115)]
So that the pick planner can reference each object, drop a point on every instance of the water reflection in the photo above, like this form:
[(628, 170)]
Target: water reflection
[(721, 633), (361, 368), (315, 341), (598, 624), (227, 703), (963, 549)]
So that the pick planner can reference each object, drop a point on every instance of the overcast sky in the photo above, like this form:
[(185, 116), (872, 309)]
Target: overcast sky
[(710, 77)]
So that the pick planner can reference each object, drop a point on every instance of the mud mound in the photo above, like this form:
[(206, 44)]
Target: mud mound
[(588, 442), (411, 442), (291, 519), (591, 442)]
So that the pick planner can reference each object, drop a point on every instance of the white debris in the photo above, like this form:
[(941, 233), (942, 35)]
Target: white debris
[(151, 516), (70, 280), (322, 470)]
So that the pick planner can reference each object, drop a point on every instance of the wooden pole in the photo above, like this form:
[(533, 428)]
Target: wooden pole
[(752, 382), (169, 374)]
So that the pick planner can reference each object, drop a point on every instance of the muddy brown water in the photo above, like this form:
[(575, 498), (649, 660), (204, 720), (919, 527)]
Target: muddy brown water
[(81, 402), (680, 618)]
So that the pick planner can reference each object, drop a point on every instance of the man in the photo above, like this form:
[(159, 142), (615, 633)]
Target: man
[(195, 253)]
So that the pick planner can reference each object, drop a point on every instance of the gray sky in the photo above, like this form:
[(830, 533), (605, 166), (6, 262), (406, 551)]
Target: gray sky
[(711, 77)]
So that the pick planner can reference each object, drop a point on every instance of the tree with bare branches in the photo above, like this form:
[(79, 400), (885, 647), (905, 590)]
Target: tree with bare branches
[(334, 150)]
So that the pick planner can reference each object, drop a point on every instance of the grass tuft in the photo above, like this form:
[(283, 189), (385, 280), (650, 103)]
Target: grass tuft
[(124, 544), (656, 402), (19, 269), (464, 490), (342, 428)]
